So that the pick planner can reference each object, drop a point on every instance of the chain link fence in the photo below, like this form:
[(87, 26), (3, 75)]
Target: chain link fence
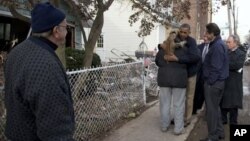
[(103, 96), (2, 115), (151, 85)]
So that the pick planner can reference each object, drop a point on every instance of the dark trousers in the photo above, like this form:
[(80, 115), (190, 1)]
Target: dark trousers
[(198, 96), (233, 114), (213, 95)]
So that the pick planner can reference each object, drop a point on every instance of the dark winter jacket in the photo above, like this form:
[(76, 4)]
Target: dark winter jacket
[(37, 94), (216, 63), (171, 74), (233, 94), (192, 57)]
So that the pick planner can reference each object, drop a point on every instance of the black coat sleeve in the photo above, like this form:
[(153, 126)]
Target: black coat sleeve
[(50, 100), (236, 59), (159, 59)]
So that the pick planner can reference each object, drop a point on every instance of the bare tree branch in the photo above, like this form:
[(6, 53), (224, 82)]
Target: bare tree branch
[(108, 4), (18, 15)]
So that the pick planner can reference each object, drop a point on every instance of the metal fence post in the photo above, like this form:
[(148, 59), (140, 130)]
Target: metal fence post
[(143, 46)]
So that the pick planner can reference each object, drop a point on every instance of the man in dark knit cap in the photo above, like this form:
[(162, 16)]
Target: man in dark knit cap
[(37, 92)]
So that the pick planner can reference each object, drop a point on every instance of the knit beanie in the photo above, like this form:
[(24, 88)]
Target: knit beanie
[(44, 17)]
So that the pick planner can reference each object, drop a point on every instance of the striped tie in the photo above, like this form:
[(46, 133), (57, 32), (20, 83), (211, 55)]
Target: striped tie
[(205, 50)]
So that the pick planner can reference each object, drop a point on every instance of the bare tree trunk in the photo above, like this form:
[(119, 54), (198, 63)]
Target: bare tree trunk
[(234, 18), (90, 43), (229, 17), (93, 37), (236, 23)]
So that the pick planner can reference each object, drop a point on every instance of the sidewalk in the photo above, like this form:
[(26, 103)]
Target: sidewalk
[(146, 127)]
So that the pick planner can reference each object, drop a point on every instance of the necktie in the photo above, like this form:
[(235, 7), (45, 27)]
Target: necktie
[(205, 50)]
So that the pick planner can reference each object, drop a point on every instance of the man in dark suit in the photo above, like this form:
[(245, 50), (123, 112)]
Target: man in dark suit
[(199, 88)]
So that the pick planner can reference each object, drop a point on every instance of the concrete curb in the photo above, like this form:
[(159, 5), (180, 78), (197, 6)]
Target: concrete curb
[(152, 103)]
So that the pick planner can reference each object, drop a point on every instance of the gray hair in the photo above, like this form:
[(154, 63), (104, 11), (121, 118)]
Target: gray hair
[(43, 34), (236, 39)]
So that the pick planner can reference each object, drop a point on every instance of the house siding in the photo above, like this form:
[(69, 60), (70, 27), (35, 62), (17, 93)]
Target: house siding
[(118, 34)]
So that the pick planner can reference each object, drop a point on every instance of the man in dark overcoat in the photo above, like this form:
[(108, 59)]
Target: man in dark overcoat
[(233, 94)]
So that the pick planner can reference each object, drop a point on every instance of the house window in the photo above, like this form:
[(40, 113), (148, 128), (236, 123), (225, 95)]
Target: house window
[(5, 31), (70, 37), (1, 31), (100, 42)]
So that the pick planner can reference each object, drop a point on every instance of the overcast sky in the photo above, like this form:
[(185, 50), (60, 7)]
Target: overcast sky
[(243, 16)]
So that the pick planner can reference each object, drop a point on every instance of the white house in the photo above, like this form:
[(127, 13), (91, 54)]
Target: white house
[(119, 37)]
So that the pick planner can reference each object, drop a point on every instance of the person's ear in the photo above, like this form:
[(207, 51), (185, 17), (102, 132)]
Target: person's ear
[(55, 32)]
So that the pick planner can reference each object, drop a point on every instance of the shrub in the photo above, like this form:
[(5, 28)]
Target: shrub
[(74, 59)]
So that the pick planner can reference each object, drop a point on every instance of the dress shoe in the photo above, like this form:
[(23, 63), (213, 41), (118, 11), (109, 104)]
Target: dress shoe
[(186, 124), (207, 139), (221, 137), (172, 122), (194, 112), (224, 122)]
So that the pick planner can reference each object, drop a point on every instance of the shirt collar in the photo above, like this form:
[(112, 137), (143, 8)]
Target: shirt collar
[(51, 44), (233, 49)]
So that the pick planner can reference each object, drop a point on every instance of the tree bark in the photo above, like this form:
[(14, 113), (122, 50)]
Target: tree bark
[(229, 18), (94, 35), (18, 15)]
